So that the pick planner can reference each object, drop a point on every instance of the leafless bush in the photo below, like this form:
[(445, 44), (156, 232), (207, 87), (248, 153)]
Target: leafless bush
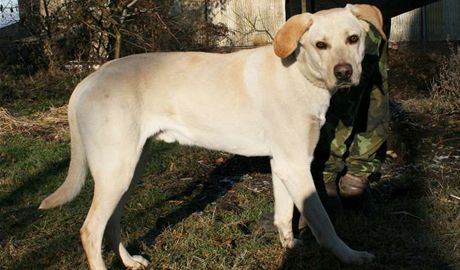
[(95, 31), (445, 89)]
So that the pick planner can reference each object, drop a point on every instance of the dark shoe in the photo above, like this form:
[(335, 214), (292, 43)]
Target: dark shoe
[(352, 185), (332, 202), (331, 189)]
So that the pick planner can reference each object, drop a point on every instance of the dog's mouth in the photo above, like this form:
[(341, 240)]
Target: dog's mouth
[(344, 84)]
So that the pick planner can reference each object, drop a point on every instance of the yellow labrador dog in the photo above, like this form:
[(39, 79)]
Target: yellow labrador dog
[(268, 101)]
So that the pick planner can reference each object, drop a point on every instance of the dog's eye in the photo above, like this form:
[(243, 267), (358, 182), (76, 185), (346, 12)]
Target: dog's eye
[(353, 39), (321, 45)]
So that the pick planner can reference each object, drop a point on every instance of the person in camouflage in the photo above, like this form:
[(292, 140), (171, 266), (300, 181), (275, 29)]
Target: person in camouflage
[(356, 127), (352, 142)]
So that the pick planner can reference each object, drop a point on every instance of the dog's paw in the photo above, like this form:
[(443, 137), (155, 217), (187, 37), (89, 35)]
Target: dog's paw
[(358, 257), (291, 243), (137, 262)]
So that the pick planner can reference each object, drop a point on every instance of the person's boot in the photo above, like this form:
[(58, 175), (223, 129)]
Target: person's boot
[(353, 186), (332, 202), (331, 189)]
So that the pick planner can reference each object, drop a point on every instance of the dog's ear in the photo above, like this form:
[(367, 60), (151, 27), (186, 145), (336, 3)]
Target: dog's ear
[(370, 14), (288, 36)]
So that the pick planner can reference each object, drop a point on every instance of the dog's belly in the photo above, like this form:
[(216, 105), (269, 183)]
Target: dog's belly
[(240, 141)]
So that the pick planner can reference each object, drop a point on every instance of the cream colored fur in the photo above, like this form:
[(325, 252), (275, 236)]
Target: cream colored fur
[(251, 103)]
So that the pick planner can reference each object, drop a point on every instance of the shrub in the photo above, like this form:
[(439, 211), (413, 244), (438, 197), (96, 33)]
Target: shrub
[(94, 31), (445, 88)]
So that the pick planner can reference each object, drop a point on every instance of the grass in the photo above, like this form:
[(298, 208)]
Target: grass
[(198, 209), (442, 89), (446, 87)]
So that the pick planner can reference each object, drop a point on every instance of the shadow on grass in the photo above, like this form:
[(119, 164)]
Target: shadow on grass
[(54, 254), (33, 183), (50, 254), (17, 215), (219, 182), (19, 218)]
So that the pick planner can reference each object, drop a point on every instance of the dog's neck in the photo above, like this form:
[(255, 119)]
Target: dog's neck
[(315, 82), (293, 59)]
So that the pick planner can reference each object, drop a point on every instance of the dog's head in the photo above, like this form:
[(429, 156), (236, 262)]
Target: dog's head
[(329, 45)]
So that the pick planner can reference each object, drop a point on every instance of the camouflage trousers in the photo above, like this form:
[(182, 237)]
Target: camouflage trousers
[(355, 132)]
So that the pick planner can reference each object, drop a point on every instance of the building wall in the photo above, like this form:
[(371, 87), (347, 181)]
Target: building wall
[(436, 22), (250, 22)]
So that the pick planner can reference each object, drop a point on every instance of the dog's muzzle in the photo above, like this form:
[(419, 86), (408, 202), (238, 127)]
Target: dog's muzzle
[(343, 72)]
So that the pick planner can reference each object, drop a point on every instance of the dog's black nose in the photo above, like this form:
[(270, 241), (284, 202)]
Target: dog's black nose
[(343, 72)]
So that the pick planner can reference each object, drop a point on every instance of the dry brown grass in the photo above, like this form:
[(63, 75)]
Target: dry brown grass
[(51, 123), (445, 90)]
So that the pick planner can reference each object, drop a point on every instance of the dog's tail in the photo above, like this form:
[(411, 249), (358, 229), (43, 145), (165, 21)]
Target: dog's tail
[(78, 169)]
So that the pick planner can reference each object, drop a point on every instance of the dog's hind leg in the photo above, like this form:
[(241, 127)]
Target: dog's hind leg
[(112, 169), (113, 230)]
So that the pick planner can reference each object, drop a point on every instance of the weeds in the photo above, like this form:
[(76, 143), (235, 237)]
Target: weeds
[(445, 90), (52, 123), (35, 105)]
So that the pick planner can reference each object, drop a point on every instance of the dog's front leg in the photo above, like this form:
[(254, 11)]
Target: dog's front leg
[(291, 158), (299, 185), (284, 210)]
